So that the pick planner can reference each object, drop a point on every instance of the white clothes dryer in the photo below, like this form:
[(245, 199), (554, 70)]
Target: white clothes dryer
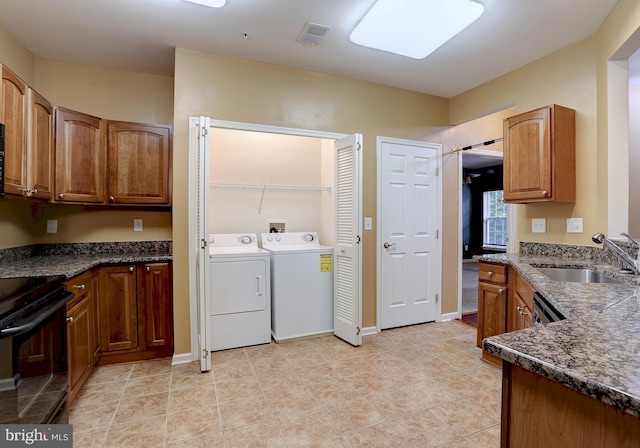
[(301, 285), (240, 311)]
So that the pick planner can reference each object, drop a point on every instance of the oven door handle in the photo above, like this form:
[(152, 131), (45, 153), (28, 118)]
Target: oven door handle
[(31, 321)]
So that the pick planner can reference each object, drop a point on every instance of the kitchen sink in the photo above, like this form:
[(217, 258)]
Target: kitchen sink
[(577, 275)]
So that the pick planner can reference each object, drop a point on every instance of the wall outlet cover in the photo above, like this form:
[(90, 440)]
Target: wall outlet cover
[(574, 225), (539, 225), (52, 226), (368, 223), (137, 225)]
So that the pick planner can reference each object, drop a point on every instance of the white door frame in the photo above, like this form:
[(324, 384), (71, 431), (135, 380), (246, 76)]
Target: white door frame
[(512, 244), (379, 141), (193, 243)]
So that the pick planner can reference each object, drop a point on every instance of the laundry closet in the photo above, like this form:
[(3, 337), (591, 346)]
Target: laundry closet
[(270, 203)]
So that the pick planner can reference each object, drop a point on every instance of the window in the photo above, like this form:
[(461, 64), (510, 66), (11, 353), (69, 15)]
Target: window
[(495, 220)]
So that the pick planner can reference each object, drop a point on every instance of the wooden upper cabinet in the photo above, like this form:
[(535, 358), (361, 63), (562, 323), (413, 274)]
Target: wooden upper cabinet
[(80, 157), (13, 113), (540, 156), (40, 147), (139, 163)]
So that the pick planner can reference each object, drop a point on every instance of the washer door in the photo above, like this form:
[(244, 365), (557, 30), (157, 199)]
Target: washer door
[(238, 286)]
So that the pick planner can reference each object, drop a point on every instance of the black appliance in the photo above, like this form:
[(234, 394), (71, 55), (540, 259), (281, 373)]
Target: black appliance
[(33, 350), (544, 312), (1, 160)]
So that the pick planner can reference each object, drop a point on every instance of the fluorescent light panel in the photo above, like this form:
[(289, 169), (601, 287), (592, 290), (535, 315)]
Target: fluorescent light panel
[(414, 28), (209, 3)]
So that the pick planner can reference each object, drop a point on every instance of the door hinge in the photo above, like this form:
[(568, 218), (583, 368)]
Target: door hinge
[(358, 146), (357, 330), (358, 242), (203, 243), (205, 353), (437, 171), (437, 233), (205, 131), (436, 298)]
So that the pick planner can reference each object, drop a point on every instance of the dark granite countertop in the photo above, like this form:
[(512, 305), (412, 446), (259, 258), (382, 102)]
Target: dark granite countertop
[(596, 350), (73, 259)]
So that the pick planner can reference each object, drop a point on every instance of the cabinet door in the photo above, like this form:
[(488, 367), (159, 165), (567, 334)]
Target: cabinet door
[(13, 113), (155, 293), (80, 357), (139, 161), (40, 147), (527, 156), (118, 309), (492, 310), (80, 157)]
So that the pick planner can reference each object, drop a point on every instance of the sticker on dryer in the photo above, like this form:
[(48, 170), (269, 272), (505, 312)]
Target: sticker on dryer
[(326, 262)]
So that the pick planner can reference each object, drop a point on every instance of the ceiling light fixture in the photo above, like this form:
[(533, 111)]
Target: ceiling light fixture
[(209, 3), (414, 28)]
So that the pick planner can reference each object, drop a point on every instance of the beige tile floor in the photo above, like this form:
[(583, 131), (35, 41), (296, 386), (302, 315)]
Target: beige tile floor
[(419, 386)]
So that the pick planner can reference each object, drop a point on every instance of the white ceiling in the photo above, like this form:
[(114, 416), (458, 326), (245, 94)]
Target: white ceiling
[(140, 35)]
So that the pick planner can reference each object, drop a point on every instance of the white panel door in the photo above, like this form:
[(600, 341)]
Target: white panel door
[(202, 249), (348, 250), (409, 219)]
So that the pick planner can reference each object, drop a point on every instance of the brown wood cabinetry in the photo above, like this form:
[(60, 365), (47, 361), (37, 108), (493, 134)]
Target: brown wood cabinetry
[(40, 147), (80, 157), (492, 303), (139, 161), (520, 303), (13, 113), (540, 413), (136, 312), (82, 328), (540, 156)]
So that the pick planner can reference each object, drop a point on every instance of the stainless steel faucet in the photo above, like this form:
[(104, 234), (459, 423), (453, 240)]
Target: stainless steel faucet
[(630, 263)]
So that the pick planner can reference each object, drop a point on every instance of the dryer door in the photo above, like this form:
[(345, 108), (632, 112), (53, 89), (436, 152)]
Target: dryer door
[(238, 286)]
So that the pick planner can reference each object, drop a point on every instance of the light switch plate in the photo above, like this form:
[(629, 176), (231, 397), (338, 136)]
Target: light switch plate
[(52, 226), (368, 223), (574, 225), (539, 225), (137, 225)]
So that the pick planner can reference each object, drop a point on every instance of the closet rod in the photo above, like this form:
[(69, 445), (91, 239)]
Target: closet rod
[(488, 142), (269, 187)]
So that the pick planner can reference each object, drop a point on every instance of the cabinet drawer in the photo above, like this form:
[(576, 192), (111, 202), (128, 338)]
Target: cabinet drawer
[(494, 273), (525, 291), (80, 286)]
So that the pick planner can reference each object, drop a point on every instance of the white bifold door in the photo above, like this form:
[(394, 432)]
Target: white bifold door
[(409, 219)]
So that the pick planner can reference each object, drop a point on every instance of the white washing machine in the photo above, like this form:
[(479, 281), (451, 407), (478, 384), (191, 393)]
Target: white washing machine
[(240, 312), (301, 285)]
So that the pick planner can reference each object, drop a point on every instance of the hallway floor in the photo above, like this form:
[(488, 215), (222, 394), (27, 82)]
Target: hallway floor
[(419, 386)]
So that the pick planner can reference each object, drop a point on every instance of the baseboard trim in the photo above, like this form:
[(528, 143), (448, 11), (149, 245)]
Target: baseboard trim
[(182, 358), (449, 316), (368, 331)]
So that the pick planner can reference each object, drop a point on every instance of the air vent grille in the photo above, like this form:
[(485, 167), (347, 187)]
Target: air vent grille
[(313, 33)]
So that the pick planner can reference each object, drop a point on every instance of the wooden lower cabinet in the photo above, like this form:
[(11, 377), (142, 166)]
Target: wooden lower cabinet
[(540, 413), (492, 304), (136, 312), (82, 326)]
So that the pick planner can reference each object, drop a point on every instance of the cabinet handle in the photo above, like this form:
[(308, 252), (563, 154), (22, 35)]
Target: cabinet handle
[(112, 199), (147, 268), (544, 193), (61, 195), (26, 191), (500, 290), (519, 308), (70, 319), (34, 191), (490, 273), (258, 285), (130, 268), (78, 286)]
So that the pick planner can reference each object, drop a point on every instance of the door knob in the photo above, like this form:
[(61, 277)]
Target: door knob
[(388, 245)]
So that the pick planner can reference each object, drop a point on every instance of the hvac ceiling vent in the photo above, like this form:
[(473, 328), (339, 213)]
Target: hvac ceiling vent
[(313, 34)]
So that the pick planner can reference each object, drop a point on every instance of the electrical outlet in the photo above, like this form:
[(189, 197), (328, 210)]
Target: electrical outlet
[(137, 225), (368, 223), (574, 225), (52, 226), (539, 225)]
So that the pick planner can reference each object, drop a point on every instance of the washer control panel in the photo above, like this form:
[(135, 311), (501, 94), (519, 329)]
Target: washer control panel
[(289, 239)]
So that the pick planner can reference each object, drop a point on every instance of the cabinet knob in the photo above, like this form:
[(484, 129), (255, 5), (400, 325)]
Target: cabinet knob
[(61, 195), (147, 268), (26, 191), (78, 286), (130, 268), (112, 199), (34, 191), (500, 290), (70, 319), (490, 273), (544, 193)]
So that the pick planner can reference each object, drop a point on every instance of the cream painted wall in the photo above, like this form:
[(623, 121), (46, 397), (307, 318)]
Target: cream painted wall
[(16, 57), (258, 158), (567, 78), (233, 89), (634, 161)]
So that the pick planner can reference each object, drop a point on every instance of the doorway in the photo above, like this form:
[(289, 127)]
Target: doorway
[(409, 222)]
